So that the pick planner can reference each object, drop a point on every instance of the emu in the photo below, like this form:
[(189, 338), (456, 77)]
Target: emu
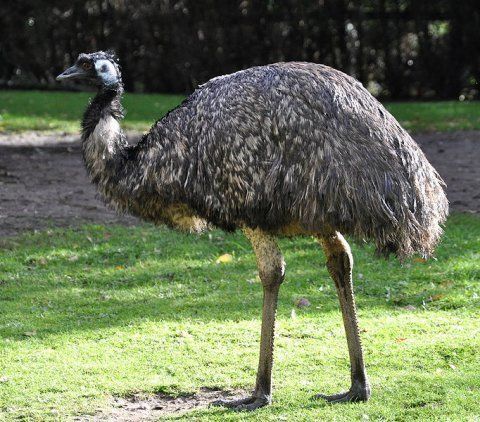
[(288, 149)]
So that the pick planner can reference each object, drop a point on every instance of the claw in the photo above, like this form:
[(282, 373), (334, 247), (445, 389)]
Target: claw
[(245, 404), (356, 394)]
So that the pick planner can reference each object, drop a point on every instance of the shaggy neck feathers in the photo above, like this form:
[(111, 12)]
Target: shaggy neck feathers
[(104, 145), (107, 103)]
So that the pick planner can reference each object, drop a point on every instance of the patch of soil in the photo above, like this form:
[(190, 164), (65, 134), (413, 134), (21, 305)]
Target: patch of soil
[(456, 156), (142, 407), (43, 182)]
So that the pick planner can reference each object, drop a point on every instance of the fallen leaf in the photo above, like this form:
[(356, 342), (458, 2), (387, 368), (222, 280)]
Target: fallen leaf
[(400, 339), (73, 258), (302, 303), (119, 267), (223, 259), (437, 297), (30, 333), (420, 260)]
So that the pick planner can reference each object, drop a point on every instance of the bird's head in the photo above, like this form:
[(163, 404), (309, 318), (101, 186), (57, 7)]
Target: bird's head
[(100, 68)]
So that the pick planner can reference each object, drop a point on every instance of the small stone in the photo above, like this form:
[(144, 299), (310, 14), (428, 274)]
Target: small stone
[(303, 303)]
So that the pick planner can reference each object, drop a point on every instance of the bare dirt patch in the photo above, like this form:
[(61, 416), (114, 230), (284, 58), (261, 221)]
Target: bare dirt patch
[(43, 182), (142, 407), (456, 156)]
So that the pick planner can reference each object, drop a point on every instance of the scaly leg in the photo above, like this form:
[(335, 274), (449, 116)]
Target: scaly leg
[(340, 265), (271, 268)]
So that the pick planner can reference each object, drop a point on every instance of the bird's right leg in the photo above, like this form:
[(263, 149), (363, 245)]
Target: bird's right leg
[(340, 265), (271, 268)]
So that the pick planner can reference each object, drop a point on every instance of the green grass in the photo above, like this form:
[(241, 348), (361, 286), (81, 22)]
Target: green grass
[(438, 116), (101, 311), (61, 111)]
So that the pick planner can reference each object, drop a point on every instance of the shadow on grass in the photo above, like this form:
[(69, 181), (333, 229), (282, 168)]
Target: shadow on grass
[(98, 277)]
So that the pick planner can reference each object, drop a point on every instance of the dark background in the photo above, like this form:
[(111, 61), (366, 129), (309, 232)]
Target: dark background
[(398, 48)]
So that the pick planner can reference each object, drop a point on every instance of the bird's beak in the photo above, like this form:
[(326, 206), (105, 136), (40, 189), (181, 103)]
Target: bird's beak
[(73, 72)]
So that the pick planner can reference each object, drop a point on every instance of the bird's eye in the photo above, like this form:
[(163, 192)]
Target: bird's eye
[(86, 66)]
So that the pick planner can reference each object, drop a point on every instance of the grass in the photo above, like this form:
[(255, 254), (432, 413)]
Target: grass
[(61, 111), (441, 116), (101, 311)]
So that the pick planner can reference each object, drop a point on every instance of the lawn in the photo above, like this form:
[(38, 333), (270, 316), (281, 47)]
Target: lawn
[(61, 111), (94, 312)]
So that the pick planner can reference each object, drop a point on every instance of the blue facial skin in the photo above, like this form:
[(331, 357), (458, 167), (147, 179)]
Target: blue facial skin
[(106, 72)]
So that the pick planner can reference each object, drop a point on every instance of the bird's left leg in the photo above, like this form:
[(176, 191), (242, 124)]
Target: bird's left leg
[(340, 265), (271, 268)]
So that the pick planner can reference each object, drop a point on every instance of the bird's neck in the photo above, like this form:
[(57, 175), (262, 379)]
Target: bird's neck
[(102, 116), (103, 142)]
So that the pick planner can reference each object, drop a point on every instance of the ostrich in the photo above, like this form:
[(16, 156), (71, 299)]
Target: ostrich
[(287, 149)]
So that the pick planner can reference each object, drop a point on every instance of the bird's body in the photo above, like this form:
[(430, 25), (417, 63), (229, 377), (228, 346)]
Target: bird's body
[(290, 148), (284, 149)]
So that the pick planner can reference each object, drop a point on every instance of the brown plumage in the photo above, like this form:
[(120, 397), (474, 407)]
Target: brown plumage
[(284, 149)]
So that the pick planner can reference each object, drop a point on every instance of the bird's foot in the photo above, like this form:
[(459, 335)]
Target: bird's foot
[(358, 392), (245, 404)]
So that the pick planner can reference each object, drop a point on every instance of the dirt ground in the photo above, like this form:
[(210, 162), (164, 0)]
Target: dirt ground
[(43, 182), (144, 408)]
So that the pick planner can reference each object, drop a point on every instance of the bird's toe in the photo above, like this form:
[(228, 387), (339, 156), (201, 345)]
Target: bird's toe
[(244, 404), (356, 394)]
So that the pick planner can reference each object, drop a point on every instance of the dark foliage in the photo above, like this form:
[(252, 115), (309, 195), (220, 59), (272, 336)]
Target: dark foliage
[(399, 48)]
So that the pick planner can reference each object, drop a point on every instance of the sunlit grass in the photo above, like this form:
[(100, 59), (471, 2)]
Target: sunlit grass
[(62, 111), (441, 116), (101, 311)]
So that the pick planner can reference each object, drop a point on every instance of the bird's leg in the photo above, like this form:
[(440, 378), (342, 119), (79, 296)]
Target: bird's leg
[(340, 264), (271, 268)]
